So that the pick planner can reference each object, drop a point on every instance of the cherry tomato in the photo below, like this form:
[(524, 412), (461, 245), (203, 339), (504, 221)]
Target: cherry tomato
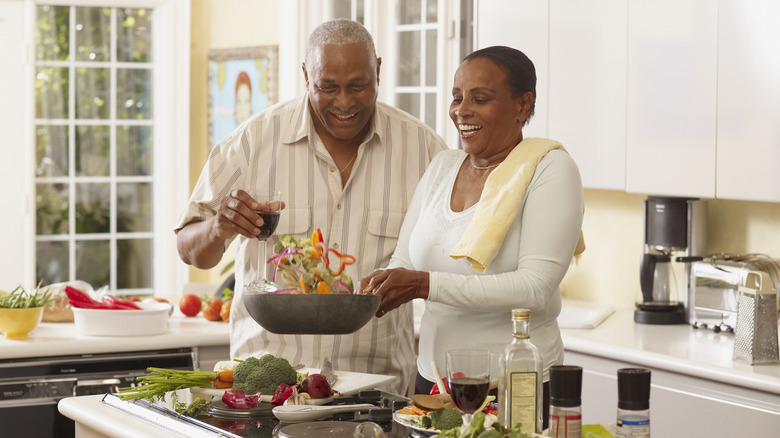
[(225, 312), (161, 300), (190, 304), (212, 308)]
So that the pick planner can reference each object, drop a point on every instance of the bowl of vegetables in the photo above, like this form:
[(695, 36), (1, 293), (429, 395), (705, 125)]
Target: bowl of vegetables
[(22, 311), (315, 294)]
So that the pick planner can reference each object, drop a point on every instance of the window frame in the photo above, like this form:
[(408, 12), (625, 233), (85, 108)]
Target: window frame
[(171, 85)]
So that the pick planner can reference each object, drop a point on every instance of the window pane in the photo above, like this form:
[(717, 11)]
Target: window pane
[(93, 262), (51, 93), (430, 109), (409, 103), (92, 209), (92, 93), (51, 34), (409, 12), (134, 150), (409, 58), (432, 11), (51, 262), (134, 35), (51, 209), (341, 9), (93, 151), (133, 93), (51, 150), (135, 258), (430, 57), (93, 34), (133, 207)]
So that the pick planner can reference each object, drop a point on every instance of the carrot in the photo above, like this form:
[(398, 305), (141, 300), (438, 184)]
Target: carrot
[(226, 376), (221, 384), (323, 288)]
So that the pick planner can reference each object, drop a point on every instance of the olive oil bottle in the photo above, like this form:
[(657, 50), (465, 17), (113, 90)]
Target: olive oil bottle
[(520, 378)]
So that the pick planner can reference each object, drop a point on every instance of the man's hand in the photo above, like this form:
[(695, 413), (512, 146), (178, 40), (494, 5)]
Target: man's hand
[(236, 215)]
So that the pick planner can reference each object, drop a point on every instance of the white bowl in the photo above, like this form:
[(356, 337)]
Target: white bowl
[(152, 319)]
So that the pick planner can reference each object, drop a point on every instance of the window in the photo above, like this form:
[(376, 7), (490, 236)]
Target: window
[(109, 127)]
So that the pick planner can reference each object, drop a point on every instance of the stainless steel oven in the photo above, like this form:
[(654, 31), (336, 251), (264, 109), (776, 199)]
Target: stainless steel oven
[(30, 388)]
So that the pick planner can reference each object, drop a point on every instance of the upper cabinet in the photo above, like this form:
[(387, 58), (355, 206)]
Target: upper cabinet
[(748, 148), (670, 117), (665, 97), (524, 26), (588, 87)]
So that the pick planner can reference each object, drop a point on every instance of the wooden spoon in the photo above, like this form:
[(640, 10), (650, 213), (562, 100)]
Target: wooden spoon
[(427, 402)]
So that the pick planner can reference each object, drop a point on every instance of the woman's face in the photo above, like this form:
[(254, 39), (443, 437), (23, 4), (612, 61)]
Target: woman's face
[(489, 120)]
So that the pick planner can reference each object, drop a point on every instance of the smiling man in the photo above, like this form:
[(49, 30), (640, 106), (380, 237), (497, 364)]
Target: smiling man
[(344, 163)]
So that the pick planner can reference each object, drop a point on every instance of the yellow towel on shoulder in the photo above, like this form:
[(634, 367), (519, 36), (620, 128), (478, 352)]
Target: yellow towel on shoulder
[(499, 202)]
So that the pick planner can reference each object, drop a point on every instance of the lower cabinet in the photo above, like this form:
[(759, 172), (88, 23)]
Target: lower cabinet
[(210, 355), (680, 405)]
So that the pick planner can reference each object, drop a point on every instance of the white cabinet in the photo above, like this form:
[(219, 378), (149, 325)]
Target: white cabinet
[(588, 87), (680, 405), (523, 26), (748, 100), (671, 101)]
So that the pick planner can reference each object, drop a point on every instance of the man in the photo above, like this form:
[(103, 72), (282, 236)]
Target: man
[(345, 164)]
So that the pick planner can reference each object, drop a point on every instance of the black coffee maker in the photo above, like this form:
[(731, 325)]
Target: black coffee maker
[(672, 225)]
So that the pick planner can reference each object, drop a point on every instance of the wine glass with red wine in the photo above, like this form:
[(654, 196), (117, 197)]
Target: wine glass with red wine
[(468, 376), (270, 207)]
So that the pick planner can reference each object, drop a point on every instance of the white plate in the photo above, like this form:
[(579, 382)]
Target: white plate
[(348, 383), (406, 420)]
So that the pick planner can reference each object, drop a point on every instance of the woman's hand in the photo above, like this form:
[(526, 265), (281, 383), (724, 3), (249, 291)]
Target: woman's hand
[(396, 286)]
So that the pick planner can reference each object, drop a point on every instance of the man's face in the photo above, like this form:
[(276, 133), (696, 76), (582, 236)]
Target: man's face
[(343, 89)]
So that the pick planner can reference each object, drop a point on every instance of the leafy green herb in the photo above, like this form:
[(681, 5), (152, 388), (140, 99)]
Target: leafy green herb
[(21, 299), (193, 409)]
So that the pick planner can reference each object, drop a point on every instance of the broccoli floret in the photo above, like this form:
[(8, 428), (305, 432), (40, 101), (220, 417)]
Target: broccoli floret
[(445, 419), (263, 375)]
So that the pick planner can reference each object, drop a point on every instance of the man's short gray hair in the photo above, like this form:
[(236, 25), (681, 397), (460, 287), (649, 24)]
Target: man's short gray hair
[(339, 32)]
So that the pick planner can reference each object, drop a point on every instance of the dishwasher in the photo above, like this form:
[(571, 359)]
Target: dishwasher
[(30, 388)]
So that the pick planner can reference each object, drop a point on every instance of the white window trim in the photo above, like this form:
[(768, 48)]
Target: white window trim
[(171, 140)]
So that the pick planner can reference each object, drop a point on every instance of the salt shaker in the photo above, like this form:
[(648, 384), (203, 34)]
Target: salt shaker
[(565, 401), (633, 415)]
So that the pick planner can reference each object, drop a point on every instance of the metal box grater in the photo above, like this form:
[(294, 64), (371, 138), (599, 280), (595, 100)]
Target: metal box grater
[(755, 339)]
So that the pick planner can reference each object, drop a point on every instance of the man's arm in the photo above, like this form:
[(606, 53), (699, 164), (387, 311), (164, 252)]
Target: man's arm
[(198, 246)]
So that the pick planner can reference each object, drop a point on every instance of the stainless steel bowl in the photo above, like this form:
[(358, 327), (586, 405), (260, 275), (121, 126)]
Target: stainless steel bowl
[(311, 314)]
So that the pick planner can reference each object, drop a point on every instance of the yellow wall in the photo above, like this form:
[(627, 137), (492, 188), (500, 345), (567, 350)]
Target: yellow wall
[(220, 24), (608, 271)]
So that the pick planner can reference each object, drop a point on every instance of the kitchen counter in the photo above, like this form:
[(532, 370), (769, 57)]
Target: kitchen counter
[(61, 339), (675, 348)]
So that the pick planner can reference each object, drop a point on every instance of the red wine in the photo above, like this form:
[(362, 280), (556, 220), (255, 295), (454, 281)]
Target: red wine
[(270, 221), (468, 393)]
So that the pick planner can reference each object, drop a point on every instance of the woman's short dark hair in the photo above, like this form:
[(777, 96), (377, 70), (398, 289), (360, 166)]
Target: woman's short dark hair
[(520, 71)]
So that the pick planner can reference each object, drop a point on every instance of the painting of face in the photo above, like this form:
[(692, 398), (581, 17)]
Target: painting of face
[(489, 120), (343, 89)]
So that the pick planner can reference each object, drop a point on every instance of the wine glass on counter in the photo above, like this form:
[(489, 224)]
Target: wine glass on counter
[(270, 207), (468, 377)]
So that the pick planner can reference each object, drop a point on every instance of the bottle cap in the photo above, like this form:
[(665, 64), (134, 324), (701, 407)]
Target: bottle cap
[(565, 385), (633, 389), (521, 314)]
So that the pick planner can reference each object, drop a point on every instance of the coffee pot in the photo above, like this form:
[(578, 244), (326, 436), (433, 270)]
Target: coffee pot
[(672, 225)]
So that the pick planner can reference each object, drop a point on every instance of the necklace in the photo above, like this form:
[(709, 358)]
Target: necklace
[(350, 162), (492, 166)]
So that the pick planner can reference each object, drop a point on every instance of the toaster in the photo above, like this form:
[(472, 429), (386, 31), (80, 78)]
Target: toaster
[(714, 289)]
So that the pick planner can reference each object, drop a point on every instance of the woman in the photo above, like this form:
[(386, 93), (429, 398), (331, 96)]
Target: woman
[(469, 298)]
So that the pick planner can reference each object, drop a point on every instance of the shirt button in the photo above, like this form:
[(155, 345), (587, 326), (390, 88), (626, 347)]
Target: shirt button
[(338, 207), (332, 169), (335, 246)]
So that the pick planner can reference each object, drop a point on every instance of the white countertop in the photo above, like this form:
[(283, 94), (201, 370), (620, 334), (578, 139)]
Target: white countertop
[(674, 348), (61, 339)]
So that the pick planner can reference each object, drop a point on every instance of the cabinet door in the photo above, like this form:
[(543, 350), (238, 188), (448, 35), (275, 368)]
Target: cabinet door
[(748, 99), (522, 25), (588, 87), (671, 120)]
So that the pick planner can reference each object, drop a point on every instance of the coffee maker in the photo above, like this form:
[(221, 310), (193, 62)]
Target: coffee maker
[(673, 226)]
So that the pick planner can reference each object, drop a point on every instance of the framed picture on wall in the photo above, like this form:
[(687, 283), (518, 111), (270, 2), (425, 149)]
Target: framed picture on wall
[(242, 82)]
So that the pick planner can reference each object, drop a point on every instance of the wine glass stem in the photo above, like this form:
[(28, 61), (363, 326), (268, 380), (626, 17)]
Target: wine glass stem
[(262, 264), (467, 418)]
